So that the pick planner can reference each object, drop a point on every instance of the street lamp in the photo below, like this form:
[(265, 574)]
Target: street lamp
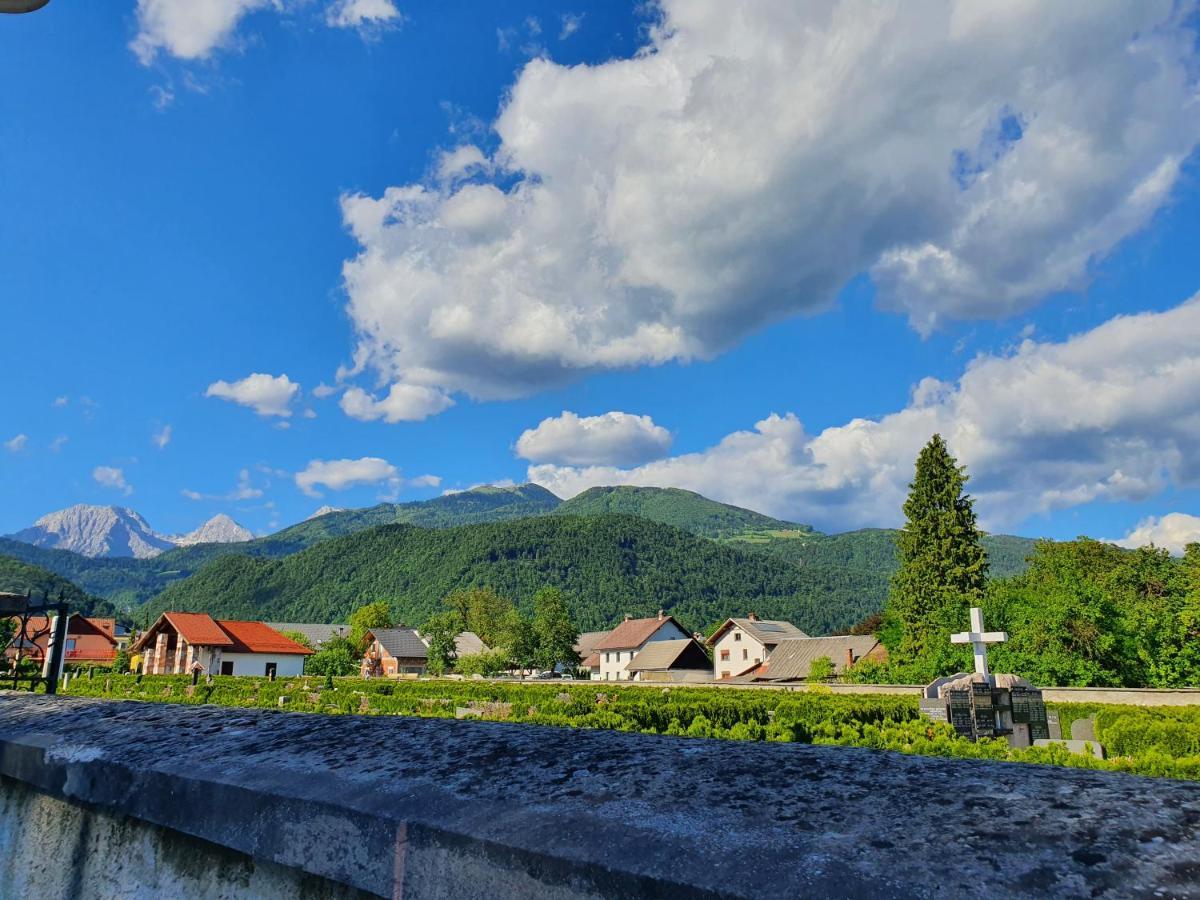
[(21, 6)]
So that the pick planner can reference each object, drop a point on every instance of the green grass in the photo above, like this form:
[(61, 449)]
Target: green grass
[(1163, 741)]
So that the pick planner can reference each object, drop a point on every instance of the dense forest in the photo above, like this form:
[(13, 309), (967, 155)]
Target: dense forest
[(683, 509), (607, 566), (20, 578)]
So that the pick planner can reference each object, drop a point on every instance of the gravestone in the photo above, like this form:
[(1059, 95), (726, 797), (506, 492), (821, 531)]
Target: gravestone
[(1053, 726), (1084, 729)]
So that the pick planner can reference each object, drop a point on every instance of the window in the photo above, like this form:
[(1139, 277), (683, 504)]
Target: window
[(745, 653), (227, 667), (70, 643), (724, 656), (725, 674), (737, 635), (271, 669), (608, 657)]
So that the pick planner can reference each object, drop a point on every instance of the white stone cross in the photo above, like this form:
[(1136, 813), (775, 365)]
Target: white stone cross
[(979, 639)]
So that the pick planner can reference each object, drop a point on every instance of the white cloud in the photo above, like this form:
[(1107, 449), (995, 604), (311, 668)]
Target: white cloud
[(339, 474), (310, 413), (60, 402), (1112, 414), (403, 403), (613, 439), (462, 161), (1174, 531), (189, 29), (245, 490), (323, 390), (362, 14), (426, 481), (161, 437), (112, 477), (570, 24), (58, 443), (267, 395), (16, 444), (972, 157)]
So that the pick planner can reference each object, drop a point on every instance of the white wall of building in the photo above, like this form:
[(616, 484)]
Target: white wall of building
[(744, 651), (613, 662), (286, 664)]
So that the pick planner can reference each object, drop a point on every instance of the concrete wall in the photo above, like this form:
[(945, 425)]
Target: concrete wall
[(180, 801), (1127, 696), (288, 664)]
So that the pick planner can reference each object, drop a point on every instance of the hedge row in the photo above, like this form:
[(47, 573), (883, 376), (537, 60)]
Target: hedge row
[(1160, 741)]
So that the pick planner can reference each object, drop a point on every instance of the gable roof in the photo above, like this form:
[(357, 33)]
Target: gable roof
[(661, 655), (469, 642), (400, 642), (793, 658), (634, 632), (316, 634), (587, 643), (767, 632), (258, 637), (200, 629)]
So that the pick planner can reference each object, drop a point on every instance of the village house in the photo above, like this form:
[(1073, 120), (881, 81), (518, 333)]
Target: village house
[(589, 658), (314, 634), (792, 659), (404, 652), (618, 648), (739, 644), (675, 661), (90, 641), (184, 642)]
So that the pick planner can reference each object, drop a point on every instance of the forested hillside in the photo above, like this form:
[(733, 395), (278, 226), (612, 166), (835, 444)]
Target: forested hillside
[(874, 550), (671, 506), (608, 565), (20, 578)]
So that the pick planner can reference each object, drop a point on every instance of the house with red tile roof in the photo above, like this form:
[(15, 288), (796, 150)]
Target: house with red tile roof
[(183, 642), (90, 641), (618, 648)]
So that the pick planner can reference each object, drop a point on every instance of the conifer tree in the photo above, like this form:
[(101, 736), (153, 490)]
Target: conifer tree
[(943, 567)]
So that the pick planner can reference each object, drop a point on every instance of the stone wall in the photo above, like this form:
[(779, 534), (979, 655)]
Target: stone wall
[(422, 808)]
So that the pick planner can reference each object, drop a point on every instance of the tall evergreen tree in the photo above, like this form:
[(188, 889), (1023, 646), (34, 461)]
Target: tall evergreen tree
[(943, 567)]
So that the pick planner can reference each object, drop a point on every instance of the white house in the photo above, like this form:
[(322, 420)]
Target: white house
[(741, 644), (618, 648), (181, 642)]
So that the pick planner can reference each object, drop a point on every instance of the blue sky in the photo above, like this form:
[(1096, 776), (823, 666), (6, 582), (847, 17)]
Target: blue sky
[(649, 253)]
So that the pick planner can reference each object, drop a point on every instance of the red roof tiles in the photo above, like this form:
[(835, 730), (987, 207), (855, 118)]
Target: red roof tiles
[(258, 637), (198, 629), (202, 630)]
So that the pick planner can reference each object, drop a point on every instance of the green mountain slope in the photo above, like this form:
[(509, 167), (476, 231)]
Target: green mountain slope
[(682, 509), (21, 578), (130, 582), (609, 565), (874, 550)]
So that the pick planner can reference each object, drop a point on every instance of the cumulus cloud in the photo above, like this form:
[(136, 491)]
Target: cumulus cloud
[(58, 443), (403, 403), (245, 490), (161, 437), (1174, 531), (1112, 414), (267, 395), (339, 474), (613, 439), (363, 14), (570, 24), (972, 157), (189, 29), (16, 444), (112, 477)]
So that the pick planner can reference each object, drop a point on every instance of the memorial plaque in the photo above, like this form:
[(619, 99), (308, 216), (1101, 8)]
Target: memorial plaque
[(961, 715), (1030, 709), (1053, 725), (984, 710), (934, 708)]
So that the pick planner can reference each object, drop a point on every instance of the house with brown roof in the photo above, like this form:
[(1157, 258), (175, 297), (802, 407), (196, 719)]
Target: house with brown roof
[(404, 652), (618, 648), (792, 659), (183, 642), (90, 641), (739, 644), (589, 657), (675, 661)]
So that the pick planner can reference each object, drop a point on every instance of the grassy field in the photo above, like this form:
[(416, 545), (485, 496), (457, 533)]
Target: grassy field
[(1163, 741)]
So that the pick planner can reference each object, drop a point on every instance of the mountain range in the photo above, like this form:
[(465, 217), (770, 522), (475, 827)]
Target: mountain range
[(614, 549), (116, 531)]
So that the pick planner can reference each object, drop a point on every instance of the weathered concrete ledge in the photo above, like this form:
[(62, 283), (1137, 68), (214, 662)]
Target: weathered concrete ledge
[(1120, 696), (419, 808)]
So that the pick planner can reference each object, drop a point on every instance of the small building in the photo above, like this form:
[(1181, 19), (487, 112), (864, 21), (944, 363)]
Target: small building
[(675, 661), (792, 659), (90, 641), (314, 634), (618, 648), (739, 644), (589, 658), (181, 642), (404, 652)]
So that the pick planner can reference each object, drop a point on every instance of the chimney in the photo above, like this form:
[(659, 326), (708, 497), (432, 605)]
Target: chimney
[(698, 637), (661, 615), (753, 617), (849, 657)]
